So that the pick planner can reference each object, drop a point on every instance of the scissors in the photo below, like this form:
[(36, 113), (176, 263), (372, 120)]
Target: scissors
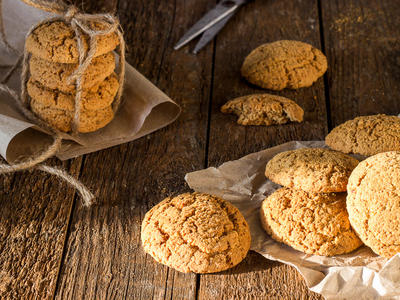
[(211, 23)]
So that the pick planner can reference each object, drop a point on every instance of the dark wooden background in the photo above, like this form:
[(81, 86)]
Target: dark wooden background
[(52, 247)]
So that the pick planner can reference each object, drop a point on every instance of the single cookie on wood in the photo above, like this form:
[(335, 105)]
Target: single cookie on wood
[(264, 109), (55, 75), (196, 233), (366, 135), (314, 170), (309, 222), (56, 42), (97, 97), (61, 119), (284, 64), (373, 202)]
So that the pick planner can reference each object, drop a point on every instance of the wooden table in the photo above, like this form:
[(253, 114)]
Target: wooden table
[(52, 247)]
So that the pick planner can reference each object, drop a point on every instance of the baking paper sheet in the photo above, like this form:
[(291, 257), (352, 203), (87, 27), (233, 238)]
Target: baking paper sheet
[(360, 274), (144, 107)]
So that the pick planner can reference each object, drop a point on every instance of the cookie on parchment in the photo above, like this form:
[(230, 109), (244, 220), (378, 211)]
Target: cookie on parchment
[(366, 135), (311, 169), (373, 202), (264, 109), (55, 75), (284, 64), (196, 233), (97, 97), (314, 223), (56, 42), (61, 119)]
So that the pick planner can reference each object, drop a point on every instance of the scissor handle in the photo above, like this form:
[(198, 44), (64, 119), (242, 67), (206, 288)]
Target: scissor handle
[(223, 9)]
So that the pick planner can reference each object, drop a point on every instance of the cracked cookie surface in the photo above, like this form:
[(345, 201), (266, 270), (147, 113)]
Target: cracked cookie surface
[(56, 42), (264, 109), (366, 135), (90, 120), (196, 233), (311, 169), (309, 222), (373, 202), (55, 76), (97, 97), (284, 64)]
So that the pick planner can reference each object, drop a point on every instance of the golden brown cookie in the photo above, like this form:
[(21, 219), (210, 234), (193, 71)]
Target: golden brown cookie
[(97, 97), (263, 109), (373, 202), (366, 135), (284, 64), (196, 233), (61, 119), (309, 222), (55, 76), (311, 169), (56, 42)]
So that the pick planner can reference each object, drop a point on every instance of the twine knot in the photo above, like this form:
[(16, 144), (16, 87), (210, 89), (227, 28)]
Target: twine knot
[(71, 12)]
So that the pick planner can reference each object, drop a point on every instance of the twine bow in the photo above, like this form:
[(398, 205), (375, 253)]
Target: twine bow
[(81, 24)]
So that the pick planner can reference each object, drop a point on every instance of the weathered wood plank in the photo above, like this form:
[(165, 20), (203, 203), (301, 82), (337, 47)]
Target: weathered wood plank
[(255, 278), (362, 42), (257, 23), (34, 214), (104, 259)]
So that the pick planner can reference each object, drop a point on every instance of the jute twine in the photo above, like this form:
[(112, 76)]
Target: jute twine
[(81, 24)]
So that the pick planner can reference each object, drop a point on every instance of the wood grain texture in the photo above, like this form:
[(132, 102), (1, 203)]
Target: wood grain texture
[(34, 214), (104, 259), (257, 23), (362, 42), (255, 278), (97, 6)]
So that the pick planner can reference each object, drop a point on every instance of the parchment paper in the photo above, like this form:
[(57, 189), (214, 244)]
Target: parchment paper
[(359, 274), (144, 107)]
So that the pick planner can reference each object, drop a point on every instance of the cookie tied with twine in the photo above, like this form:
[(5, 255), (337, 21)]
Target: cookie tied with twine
[(88, 28)]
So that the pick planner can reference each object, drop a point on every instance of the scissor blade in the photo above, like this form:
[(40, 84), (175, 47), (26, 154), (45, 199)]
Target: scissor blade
[(210, 33), (212, 17)]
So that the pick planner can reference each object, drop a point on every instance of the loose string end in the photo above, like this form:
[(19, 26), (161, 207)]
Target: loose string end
[(86, 195)]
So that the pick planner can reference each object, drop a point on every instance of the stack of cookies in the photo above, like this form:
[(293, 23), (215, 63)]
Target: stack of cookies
[(309, 212), (54, 58)]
